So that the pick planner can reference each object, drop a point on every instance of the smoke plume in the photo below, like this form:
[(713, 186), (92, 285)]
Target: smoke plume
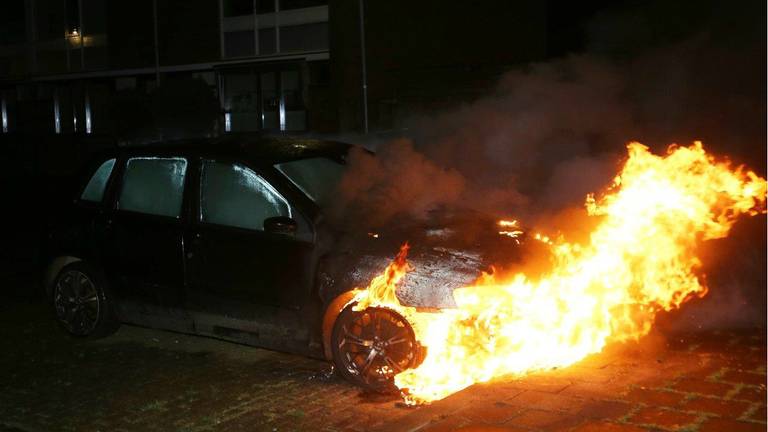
[(552, 132)]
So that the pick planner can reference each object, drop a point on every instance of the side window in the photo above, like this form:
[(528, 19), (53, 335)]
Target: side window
[(94, 190), (153, 186), (234, 195)]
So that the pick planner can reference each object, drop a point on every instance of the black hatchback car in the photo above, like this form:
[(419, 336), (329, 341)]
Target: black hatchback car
[(225, 238)]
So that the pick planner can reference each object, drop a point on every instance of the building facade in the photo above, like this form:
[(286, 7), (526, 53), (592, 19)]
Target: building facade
[(96, 66), (66, 64)]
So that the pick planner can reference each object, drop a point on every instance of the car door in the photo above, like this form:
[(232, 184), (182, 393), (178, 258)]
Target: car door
[(237, 268), (145, 240)]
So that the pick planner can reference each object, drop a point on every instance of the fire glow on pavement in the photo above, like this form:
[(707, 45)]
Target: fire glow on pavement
[(640, 259)]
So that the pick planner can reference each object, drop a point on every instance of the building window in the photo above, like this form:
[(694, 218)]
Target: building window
[(73, 18), (304, 37), (267, 41), (56, 113), (263, 100), (299, 4), (241, 102), (239, 43), (238, 7), (292, 113), (88, 124), (265, 6), (4, 113)]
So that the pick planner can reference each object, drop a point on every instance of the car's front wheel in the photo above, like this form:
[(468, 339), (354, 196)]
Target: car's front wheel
[(81, 303), (371, 346)]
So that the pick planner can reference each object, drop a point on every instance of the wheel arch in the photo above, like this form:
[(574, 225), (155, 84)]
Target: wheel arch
[(332, 312), (53, 269)]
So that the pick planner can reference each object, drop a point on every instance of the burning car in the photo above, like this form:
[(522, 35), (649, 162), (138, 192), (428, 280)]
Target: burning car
[(227, 238)]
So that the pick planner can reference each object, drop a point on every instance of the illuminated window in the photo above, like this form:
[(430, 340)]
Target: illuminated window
[(4, 112)]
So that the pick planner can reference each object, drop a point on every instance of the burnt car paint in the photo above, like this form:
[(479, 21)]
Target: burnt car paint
[(266, 289)]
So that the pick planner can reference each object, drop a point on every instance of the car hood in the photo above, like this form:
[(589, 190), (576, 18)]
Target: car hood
[(446, 253)]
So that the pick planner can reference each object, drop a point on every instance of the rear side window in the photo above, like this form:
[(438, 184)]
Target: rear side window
[(233, 195), (94, 190), (153, 186)]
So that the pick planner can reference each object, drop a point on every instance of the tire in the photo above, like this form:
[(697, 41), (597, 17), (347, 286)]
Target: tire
[(82, 303), (370, 347)]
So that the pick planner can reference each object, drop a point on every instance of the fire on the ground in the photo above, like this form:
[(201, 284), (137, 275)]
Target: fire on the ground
[(640, 259)]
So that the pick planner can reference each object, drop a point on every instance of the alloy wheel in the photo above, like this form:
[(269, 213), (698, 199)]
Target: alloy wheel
[(76, 300)]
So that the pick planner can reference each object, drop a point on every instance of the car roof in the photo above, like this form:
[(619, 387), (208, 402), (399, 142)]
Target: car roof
[(261, 147)]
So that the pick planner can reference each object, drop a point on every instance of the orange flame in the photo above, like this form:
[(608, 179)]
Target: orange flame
[(510, 228), (639, 260)]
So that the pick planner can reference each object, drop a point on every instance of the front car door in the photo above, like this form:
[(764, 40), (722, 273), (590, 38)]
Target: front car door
[(247, 283), (145, 242)]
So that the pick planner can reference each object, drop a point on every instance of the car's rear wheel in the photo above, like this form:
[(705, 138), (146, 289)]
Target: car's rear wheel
[(371, 346), (81, 303)]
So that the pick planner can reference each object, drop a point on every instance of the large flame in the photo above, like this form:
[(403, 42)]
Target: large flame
[(639, 260)]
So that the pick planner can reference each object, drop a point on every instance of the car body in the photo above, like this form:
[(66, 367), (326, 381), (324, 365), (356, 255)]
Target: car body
[(168, 236)]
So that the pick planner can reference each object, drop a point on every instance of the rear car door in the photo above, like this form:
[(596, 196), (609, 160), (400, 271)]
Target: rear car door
[(145, 240), (237, 268)]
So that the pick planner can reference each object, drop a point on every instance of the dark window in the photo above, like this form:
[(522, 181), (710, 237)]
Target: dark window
[(241, 100), (94, 16), (305, 37), (267, 41), (153, 186), (298, 4), (238, 7), (73, 17), (270, 101), (239, 43), (265, 6), (12, 24), (295, 116), (318, 178)]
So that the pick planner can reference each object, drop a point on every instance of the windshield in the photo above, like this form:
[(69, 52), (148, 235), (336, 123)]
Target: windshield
[(316, 177)]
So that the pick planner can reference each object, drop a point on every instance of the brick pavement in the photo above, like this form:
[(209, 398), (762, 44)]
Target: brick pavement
[(145, 380), (711, 381)]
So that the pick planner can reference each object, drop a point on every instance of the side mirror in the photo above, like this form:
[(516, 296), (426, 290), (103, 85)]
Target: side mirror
[(280, 225)]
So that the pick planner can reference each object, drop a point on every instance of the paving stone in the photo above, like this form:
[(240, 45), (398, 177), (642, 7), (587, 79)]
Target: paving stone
[(130, 382), (751, 393), (659, 398), (666, 419), (544, 383), (607, 427), (724, 408), (605, 410), (489, 412), (743, 377), (547, 401), (445, 424), (707, 388), (539, 419), (593, 390), (486, 428), (727, 425), (758, 414)]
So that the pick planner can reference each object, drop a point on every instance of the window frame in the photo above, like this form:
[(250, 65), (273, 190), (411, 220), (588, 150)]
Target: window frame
[(293, 211)]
